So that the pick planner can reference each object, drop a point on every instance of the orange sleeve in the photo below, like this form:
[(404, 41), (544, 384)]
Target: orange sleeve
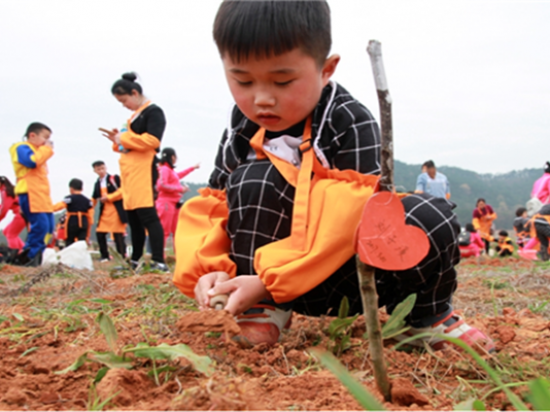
[(202, 244), (42, 154), (116, 148), (59, 206), (116, 195), (475, 222), (139, 142)]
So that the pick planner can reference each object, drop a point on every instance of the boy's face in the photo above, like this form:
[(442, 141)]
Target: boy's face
[(101, 170), (279, 91), (38, 139)]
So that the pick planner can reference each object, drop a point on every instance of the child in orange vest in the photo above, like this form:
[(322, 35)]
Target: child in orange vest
[(79, 213), (288, 114), (505, 246), (33, 190), (112, 216)]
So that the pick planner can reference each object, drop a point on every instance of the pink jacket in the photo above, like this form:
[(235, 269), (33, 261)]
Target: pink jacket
[(541, 188), (8, 203), (475, 239), (168, 183)]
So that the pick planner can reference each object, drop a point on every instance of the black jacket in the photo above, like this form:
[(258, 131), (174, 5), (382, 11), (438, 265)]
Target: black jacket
[(113, 183)]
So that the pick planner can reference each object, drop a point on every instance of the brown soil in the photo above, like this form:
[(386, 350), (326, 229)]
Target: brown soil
[(58, 325)]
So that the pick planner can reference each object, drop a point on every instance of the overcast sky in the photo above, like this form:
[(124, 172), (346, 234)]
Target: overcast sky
[(470, 80)]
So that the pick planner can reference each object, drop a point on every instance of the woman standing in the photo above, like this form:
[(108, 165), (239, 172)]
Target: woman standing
[(170, 190), (482, 219), (138, 142)]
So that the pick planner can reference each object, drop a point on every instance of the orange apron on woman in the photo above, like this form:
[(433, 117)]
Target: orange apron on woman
[(136, 163)]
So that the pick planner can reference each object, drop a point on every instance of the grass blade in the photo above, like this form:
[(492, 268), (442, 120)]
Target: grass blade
[(397, 318), (202, 364), (108, 328), (540, 394), (75, 366), (110, 360), (30, 350), (344, 308), (512, 397), (359, 392)]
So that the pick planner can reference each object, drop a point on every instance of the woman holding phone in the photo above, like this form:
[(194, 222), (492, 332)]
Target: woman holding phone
[(138, 142)]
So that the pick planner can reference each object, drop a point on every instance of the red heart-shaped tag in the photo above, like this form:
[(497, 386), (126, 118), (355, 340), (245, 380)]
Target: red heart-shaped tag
[(384, 241)]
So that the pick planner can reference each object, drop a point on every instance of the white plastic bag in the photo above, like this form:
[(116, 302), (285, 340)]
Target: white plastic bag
[(75, 256)]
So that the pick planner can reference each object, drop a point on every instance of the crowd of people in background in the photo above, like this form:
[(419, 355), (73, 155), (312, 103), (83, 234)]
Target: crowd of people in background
[(145, 190), (531, 225)]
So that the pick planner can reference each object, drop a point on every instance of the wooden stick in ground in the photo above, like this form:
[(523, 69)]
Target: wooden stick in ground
[(384, 100), (366, 272)]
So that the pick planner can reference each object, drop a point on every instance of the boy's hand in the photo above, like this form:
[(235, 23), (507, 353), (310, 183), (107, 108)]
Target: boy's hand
[(206, 283), (243, 291)]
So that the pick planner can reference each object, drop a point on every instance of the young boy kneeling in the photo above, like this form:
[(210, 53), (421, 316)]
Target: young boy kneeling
[(275, 59)]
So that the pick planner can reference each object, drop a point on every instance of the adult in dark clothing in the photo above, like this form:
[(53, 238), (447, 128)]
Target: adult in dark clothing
[(138, 142), (112, 216)]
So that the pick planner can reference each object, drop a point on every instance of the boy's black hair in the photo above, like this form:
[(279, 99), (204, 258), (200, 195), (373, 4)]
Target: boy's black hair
[(36, 127), (503, 233), (520, 211), (480, 200), (429, 164), (547, 167), (98, 163), (8, 186), (269, 28), (76, 184), (126, 84), (470, 228)]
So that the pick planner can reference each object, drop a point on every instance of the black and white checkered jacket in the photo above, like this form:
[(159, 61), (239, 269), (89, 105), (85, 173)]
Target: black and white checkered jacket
[(345, 136)]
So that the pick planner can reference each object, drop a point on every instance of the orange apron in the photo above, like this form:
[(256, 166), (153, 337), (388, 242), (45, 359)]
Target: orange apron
[(109, 221), (327, 210), (136, 165)]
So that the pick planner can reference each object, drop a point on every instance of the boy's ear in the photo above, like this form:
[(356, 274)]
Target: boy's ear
[(329, 67)]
